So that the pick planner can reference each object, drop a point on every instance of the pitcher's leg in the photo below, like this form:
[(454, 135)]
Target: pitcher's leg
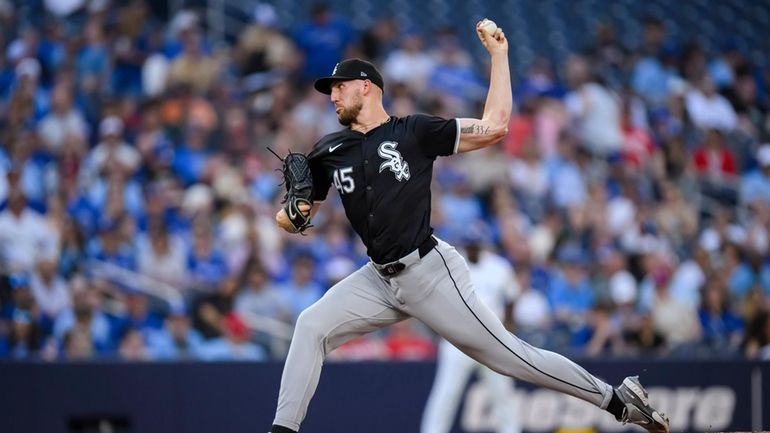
[(453, 368), (355, 306), (448, 304)]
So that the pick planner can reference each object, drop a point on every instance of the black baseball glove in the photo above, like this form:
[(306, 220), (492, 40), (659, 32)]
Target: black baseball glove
[(299, 190)]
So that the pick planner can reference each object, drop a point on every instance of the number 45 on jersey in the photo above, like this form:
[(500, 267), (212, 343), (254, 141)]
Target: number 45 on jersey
[(343, 180)]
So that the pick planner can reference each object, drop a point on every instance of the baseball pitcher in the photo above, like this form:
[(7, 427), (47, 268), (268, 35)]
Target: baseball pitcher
[(381, 167)]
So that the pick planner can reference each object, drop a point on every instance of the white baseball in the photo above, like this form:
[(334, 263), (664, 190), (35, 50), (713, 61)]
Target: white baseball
[(488, 26)]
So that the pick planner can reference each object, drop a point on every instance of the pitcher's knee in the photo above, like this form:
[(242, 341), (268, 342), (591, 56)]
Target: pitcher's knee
[(311, 325)]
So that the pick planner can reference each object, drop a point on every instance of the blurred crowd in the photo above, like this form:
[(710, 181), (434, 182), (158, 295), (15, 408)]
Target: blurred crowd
[(631, 195)]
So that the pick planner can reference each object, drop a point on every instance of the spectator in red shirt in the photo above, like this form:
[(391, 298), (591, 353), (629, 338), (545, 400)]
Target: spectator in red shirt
[(713, 160), (638, 146), (716, 169), (404, 343), (520, 129)]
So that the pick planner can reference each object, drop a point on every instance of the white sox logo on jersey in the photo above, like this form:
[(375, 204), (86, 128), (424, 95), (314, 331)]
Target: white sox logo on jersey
[(393, 160)]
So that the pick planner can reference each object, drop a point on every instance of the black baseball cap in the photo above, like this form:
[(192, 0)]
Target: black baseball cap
[(350, 69)]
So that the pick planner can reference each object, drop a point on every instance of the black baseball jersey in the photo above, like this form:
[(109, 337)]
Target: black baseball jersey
[(383, 178)]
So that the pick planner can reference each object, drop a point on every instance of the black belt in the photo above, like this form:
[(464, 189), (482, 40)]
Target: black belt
[(393, 268)]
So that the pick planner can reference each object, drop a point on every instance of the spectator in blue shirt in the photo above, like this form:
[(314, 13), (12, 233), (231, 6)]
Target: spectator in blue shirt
[(5, 345), (84, 317), (722, 328), (84, 214), (129, 50), (721, 68), (323, 41), (539, 81), (755, 186), (192, 157), (158, 209), (650, 78), (183, 21), (742, 268), (25, 337), (92, 65), (301, 292), (569, 291), (52, 49), (177, 340), (110, 248), (137, 316), (6, 78), (568, 186), (206, 265), (461, 203), (454, 77)]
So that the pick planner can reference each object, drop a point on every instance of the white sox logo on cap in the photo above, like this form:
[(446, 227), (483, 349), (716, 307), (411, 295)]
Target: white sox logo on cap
[(350, 69)]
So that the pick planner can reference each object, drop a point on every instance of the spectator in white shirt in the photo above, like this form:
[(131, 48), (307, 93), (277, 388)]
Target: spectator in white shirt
[(162, 256), (708, 109), (261, 298), (409, 64), (63, 120), (689, 277), (24, 233), (621, 284), (529, 178), (595, 109), (567, 186), (676, 321), (621, 211), (112, 148), (50, 291), (531, 311)]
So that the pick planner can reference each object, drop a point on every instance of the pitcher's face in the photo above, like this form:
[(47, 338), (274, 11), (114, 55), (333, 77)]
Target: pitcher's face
[(347, 99)]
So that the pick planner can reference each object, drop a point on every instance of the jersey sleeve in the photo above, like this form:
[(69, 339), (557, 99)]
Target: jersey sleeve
[(321, 179), (436, 136)]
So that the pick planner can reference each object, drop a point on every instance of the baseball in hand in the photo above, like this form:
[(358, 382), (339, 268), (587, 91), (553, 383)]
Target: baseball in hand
[(488, 26)]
